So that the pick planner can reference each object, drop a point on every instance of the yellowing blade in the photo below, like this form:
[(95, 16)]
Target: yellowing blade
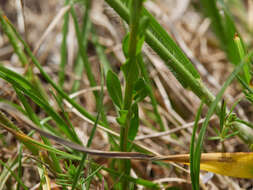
[(239, 164), (230, 164)]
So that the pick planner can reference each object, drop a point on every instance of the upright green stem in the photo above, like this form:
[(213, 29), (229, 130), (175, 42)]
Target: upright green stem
[(135, 10)]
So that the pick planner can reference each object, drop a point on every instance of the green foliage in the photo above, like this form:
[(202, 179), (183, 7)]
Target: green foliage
[(14, 175), (114, 88), (10, 76), (197, 149), (225, 30), (142, 27), (165, 47), (226, 122), (160, 33)]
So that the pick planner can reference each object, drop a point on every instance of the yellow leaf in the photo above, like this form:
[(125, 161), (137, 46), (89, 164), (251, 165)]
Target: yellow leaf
[(230, 164), (239, 164)]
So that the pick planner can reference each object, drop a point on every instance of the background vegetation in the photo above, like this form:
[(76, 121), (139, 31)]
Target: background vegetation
[(120, 94)]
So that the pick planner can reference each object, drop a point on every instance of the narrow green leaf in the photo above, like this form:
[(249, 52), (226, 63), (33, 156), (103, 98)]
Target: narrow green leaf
[(145, 74), (241, 52), (11, 77), (222, 115), (93, 174), (13, 164), (144, 24), (139, 44), (64, 52), (4, 73), (100, 52), (14, 175), (160, 33), (79, 65), (114, 88), (125, 45), (13, 39)]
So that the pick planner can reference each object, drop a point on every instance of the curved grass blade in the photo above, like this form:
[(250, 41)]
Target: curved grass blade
[(18, 81), (37, 145), (31, 114), (5, 174)]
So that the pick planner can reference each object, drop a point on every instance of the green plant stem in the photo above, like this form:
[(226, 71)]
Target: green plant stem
[(135, 9)]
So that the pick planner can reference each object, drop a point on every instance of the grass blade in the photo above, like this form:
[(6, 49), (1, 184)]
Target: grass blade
[(64, 56), (194, 178), (14, 175), (211, 110)]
